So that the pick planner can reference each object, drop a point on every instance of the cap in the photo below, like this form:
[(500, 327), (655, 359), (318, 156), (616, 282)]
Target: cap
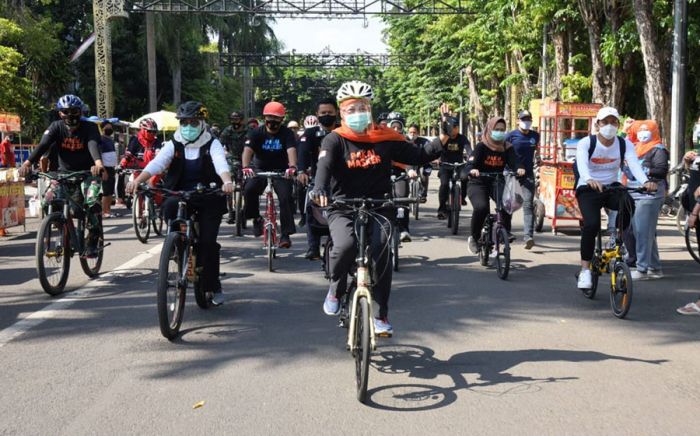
[(524, 114), (293, 125), (607, 111), (274, 108), (452, 121)]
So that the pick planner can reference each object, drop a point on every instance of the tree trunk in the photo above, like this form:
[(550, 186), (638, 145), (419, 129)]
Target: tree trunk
[(176, 70), (519, 61), (619, 71), (474, 99), (151, 55), (591, 13), (559, 43)]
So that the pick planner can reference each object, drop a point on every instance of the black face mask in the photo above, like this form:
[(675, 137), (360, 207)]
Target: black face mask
[(71, 120), (327, 120), (108, 131), (273, 125), (236, 125)]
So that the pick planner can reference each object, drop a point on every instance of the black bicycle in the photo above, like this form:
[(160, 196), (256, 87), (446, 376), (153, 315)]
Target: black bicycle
[(395, 232), (494, 236), (417, 190), (234, 201), (178, 262), (59, 238), (455, 199), (146, 215)]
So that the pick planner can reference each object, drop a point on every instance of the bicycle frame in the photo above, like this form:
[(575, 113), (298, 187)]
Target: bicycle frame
[(270, 226), (61, 196)]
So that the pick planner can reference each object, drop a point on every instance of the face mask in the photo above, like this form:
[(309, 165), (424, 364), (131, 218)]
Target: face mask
[(411, 137), (498, 136), (359, 121), (272, 125), (236, 125), (525, 125), (71, 120), (189, 133), (608, 131), (108, 131), (327, 120), (644, 136)]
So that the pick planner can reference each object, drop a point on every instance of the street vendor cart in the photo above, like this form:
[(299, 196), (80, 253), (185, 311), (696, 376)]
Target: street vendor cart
[(561, 126)]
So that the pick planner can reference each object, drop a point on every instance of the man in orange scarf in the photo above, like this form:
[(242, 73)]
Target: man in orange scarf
[(355, 162)]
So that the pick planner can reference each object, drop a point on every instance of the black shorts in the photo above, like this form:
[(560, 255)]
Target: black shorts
[(108, 185)]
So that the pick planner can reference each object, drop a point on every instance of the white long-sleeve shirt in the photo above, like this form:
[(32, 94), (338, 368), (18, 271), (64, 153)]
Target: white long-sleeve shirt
[(162, 160), (604, 165)]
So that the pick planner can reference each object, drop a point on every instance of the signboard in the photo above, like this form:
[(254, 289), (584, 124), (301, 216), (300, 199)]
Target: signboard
[(11, 204), (557, 192), (573, 110), (10, 122)]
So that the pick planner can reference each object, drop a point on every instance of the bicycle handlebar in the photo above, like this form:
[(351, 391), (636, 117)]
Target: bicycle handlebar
[(200, 190), (60, 175), (380, 202), (270, 174)]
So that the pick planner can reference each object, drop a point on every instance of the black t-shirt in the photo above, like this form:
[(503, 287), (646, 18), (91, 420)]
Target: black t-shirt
[(309, 147), (454, 149), (486, 160), (271, 150), (76, 151), (354, 170)]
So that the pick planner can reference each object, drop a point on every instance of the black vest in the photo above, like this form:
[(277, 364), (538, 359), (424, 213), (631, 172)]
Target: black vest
[(177, 166)]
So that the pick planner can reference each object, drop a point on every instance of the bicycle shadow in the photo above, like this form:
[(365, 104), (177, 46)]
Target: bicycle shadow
[(492, 367)]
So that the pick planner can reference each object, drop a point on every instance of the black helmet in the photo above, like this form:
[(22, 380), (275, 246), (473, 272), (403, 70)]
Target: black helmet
[(452, 121), (191, 109), (236, 114), (382, 117), (396, 117)]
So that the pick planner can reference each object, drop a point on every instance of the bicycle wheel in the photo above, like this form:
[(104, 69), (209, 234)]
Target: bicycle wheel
[(621, 289), (539, 215), (238, 204), (171, 291), (327, 258), (91, 265), (142, 226), (395, 241), (484, 252), (156, 218), (502, 253), (680, 221), (456, 206), (269, 247), (692, 242), (595, 274), (415, 194), (362, 345), (53, 254)]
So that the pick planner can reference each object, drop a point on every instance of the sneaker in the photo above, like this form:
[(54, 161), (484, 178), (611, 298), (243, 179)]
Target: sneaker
[(285, 242), (639, 275), (313, 254), (473, 246), (424, 199), (383, 328), (529, 243), (585, 279), (655, 274), (218, 298), (405, 237), (442, 215), (258, 226), (464, 202), (302, 220), (231, 218), (331, 305)]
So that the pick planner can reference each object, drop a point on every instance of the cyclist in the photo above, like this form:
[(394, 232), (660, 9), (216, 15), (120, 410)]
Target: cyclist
[(294, 127), (382, 119), (309, 147), (454, 152), (414, 138), (493, 154), (142, 147), (599, 159), (233, 139), (271, 147), (253, 123), (72, 145), (355, 161), (108, 152), (396, 121), (192, 157), (525, 142)]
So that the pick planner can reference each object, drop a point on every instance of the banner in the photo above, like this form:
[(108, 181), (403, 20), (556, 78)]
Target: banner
[(10, 122), (11, 204)]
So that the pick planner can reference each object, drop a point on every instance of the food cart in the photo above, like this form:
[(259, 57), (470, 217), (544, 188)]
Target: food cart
[(11, 188), (561, 125)]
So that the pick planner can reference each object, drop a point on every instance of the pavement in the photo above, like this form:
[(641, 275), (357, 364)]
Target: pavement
[(471, 354)]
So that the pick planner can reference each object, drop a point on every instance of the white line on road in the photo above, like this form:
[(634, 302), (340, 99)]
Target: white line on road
[(54, 309)]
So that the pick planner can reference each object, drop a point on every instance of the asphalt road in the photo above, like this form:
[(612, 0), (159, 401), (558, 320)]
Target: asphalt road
[(471, 354)]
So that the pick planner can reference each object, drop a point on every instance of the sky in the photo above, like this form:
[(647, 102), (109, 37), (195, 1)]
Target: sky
[(341, 36)]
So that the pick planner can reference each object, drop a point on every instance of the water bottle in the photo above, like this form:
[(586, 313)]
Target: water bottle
[(93, 192)]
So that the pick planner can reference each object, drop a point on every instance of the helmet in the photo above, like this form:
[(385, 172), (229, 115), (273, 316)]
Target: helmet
[(69, 101), (254, 122), (292, 125), (382, 117), (191, 109), (354, 89), (274, 108), (310, 121), (395, 116), (236, 114), (148, 124)]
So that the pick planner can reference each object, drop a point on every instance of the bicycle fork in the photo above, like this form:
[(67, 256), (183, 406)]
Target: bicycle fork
[(362, 291)]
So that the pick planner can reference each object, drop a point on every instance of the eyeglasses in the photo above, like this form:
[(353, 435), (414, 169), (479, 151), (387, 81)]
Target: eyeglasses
[(355, 109), (194, 122)]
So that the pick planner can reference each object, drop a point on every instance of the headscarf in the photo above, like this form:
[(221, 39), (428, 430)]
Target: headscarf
[(374, 133), (643, 148), (488, 140), (146, 138)]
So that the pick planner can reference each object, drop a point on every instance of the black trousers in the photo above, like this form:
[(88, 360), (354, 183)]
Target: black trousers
[(344, 252), (402, 212), (209, 211), (590, 202), (445, 175), (480, 193), (283, 188)]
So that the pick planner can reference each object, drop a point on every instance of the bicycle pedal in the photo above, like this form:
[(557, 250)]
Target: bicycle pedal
[(384, 335)]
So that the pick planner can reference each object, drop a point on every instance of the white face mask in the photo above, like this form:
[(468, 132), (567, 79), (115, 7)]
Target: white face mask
[(525, 125), (644, 136), (608, 131)]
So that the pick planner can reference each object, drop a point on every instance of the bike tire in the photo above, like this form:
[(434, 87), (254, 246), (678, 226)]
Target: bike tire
[(502, 254), (362, 350), (621, 289), (395, 242), (539, 215), (692, 243), (141, 224), (270, 249), (238, 204), (456, 206), (327, 258), (53, 222), (595, 274), (484, 252), (91, 266), (415, 194), (157, 220), (172, 255), (680, 221)]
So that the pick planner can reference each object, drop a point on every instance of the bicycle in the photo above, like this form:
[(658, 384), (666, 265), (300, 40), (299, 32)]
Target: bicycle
[(356, 306), (180, 253), (146, 215), (58, 239), (455, 198), (672, 206), (611, 260), (494, 236), (395, 233), (234, 201), (417, 191), (270, 239), (692, 241)]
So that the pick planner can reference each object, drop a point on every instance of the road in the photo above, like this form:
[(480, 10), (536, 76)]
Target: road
[(471, 353)]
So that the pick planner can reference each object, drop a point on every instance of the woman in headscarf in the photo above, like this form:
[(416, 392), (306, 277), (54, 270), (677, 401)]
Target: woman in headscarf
[(640, 239), (490, 155)]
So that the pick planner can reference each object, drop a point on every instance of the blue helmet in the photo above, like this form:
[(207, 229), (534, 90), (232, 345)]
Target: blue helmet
[(69, 101)]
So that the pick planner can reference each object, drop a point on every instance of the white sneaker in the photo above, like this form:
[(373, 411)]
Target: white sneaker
[(585, 279), (405, 237), (473, 246), (218, 298), (639, 275), (331, 305), (655, 274), (382, 327)]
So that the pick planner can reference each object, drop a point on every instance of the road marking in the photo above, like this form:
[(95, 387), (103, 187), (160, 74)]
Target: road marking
[(54, 309)]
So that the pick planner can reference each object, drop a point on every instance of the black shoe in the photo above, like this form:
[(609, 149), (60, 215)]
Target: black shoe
[(313, 254), (231, 218), (442, 215), (464, 202), (285, 242), (257, 226), (302, 220), (424, 199)]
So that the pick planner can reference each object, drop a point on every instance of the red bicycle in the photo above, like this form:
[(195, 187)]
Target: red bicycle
[(270, 239)]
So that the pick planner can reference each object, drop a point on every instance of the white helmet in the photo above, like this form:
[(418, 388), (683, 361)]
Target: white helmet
[(292, 125), (354, 89), (310, 121)]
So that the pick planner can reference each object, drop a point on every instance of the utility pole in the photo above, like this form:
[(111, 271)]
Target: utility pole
[(678, 89), (151, 55), (461, 101)]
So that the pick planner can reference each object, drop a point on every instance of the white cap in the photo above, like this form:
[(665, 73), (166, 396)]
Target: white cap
[(607, 111)]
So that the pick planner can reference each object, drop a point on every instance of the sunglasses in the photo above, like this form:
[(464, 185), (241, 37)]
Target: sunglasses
[(71, 111)]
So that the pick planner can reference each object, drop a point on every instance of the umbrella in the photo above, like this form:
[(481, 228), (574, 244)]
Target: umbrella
[(166, 120)]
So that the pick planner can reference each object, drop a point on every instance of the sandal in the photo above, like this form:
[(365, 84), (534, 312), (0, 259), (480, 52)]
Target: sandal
[(689, 309)]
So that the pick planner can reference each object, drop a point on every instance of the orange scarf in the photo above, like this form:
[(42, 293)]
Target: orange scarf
[(643, 148), (373, 135)]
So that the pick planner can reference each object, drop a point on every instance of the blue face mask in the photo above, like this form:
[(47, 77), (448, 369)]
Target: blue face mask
[(359, 121), (644, 136), (498, 136), (189, 133)]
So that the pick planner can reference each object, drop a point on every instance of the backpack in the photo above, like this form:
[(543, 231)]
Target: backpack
[(591, 149)]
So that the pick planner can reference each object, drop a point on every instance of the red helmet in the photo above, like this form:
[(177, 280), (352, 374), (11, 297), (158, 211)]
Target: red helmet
[(148, 124), (274, 108)]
